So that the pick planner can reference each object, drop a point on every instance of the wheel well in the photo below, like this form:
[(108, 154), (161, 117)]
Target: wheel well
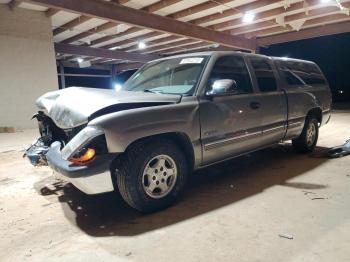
[(180, 139), (316, 112)]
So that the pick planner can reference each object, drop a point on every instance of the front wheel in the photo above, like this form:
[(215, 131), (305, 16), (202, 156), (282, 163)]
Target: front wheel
[(307, 140), (152, 175)]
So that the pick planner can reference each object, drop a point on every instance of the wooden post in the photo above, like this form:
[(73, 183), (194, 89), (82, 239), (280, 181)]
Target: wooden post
[(63, 80)]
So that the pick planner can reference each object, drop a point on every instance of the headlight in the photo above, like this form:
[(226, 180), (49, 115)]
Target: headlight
[(78, 142), (83, 156)]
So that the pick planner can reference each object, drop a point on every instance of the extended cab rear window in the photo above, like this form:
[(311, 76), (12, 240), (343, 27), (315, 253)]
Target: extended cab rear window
[(299, 73), (264, 74)]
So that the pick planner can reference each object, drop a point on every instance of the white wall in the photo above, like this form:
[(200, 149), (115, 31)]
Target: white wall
[(27, 64)]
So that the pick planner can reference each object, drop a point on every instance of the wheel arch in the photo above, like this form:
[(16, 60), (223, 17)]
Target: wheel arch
[(179, 138), (316, 112)]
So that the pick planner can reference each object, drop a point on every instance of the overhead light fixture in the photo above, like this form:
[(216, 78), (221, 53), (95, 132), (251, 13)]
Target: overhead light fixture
[(117, 86), (142, 45), (114, 48), (326, 1), (80, 60), (248, 17)]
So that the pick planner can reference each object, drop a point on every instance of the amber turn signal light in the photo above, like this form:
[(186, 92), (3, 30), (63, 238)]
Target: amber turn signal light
[(86, 157)]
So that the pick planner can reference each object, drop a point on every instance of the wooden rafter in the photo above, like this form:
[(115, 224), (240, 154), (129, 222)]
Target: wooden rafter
[(330, 29), (96, 30), (51, 11), (180, 44), (14, 3), (266, 27), (150, 8), (317, 14), (71, 24), (102, 53), (234, 11), (119, 13)]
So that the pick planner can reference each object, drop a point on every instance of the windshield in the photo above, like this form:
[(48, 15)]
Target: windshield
[(171, 76)]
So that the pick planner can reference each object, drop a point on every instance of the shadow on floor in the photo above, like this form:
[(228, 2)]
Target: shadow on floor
[(209, 189)]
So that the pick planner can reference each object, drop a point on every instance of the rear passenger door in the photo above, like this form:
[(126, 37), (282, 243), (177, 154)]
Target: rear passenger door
[(273, 101)]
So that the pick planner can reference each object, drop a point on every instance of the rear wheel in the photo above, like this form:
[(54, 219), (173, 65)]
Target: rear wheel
[(307, 140), (152, 175)]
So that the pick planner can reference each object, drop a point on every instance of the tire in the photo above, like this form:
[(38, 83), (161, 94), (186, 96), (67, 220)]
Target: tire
[(136, 175), (307, 140)]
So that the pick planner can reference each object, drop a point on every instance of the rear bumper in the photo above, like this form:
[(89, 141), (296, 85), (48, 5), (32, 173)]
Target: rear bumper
[(94, 178)]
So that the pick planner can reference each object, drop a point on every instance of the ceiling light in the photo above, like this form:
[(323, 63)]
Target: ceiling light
[(114, 48), (80, 60), (326, 1), (142, 45), (117, 86), (248, 17)]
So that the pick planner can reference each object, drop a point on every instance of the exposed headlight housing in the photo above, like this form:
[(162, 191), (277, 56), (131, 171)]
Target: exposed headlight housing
[(82, 139), (83, 156)]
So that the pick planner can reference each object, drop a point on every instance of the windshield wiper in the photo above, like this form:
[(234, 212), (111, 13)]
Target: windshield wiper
[(151, 91)]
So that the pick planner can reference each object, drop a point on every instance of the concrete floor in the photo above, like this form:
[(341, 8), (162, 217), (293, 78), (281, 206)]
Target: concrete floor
[(241, 210)]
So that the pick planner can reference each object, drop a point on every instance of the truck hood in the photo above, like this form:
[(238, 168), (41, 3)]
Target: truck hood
[(75, 106)]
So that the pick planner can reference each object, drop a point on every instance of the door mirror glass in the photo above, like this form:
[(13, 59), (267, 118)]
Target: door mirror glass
[(223, 87)]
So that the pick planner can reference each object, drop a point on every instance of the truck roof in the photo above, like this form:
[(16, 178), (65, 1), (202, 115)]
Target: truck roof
[(211, 53)]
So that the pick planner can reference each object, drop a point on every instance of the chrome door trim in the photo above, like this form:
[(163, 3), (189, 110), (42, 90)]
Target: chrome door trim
[(230, 140), (295, 124), (274, 129)]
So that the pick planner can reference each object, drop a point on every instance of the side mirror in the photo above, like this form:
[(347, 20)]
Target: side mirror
[(223, 87)]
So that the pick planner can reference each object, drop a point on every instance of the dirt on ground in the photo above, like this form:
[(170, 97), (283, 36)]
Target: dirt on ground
[(272, 205)]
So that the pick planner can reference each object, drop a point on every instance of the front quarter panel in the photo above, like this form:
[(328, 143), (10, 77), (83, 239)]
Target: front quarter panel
[(125, 127)]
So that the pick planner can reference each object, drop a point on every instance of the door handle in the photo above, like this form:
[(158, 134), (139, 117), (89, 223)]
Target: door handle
[(254, 105)]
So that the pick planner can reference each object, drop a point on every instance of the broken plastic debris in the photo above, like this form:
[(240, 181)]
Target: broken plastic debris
[(286, 236)]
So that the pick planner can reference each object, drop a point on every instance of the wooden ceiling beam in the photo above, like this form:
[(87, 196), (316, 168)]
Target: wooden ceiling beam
[(51, 11), (102, 53), (234, 11), (119, 13), (155, 43), (106, 38), (95, 30), (330, 29), (272, 14), (77, 21), (160, 5), (131, 40), (319, 21), (14, 3), (198, 8), (185, 48), (71, 24), (76, 65), (151, 8), (321, 11), (181, 43)]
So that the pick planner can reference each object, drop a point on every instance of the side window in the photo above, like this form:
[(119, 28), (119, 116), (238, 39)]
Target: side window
[(264, 74), (301, 73), (315, 75), (232, 67), (290, 74)]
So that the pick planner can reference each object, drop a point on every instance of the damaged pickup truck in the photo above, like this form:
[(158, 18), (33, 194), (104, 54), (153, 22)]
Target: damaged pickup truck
[(175, 115)]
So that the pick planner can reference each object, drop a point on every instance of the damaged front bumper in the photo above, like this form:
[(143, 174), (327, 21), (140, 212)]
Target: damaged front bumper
[(94, 178)]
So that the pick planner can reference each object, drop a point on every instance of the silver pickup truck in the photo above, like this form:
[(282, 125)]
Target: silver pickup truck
[(175, 115)]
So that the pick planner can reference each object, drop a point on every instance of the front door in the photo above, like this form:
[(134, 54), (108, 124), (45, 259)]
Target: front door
[(230, 124)]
